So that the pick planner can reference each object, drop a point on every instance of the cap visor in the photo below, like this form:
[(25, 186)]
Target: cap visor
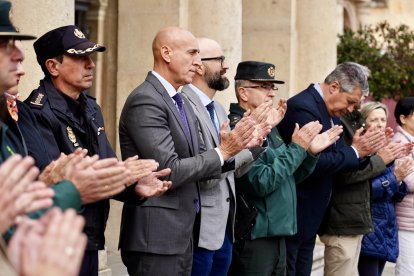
[(18, 36), (85, 48), (275, 81)]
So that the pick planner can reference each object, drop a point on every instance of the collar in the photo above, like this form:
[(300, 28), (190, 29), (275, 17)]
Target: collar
[(170, 89), (205, 100), (74, 106), (236, 109), (405, 133), (319, 89)]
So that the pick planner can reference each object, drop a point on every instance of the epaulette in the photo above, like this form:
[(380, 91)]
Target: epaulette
[(37, 100)]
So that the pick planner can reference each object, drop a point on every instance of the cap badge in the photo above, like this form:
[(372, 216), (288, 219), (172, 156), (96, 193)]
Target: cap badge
[(72, 136), (78, 34), (271, 71)]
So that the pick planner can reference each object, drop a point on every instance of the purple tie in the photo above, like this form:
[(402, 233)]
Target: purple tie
[(177, 98)]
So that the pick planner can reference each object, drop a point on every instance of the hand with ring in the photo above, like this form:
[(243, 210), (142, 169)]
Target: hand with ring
[(52, 245)]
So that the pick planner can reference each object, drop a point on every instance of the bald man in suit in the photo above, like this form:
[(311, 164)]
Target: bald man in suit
[(157, 123)]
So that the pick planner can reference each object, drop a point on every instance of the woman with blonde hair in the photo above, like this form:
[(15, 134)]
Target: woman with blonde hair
[(381, 245)]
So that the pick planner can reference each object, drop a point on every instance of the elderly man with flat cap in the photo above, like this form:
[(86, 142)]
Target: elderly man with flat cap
[(270, 185), (69, 119)]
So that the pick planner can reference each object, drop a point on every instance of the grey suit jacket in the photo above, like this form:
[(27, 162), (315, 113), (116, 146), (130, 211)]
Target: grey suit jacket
[(217, 195), (150, 126)]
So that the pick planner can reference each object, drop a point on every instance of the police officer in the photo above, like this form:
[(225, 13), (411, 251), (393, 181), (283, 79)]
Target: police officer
[(68, 118)]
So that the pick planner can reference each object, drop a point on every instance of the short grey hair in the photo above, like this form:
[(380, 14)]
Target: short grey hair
[(237, 85), (368, 107), (350, 75)]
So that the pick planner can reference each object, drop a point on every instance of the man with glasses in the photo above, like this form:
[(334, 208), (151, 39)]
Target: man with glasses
[(213, 249), (270, 184)]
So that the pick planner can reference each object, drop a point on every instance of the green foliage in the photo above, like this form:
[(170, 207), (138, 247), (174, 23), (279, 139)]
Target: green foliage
[(388, 52)]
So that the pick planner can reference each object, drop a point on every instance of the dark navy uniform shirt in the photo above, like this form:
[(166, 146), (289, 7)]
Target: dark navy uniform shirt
[(66, 124)]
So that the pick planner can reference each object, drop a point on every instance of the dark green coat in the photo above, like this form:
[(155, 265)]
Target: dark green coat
[(350, 207), (271, 183)]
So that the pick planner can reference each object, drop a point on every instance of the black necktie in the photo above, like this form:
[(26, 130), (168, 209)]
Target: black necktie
[(210, 109)]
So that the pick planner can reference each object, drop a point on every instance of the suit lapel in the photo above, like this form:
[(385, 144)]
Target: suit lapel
[(201, 110), (325, 118), (169, 102), (192, 124)]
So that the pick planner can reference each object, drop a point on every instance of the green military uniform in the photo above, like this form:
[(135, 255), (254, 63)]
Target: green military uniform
[(271, 186)]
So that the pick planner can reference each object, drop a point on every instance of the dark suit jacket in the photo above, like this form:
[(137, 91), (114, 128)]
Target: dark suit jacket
[(150, 126), (314, 192)]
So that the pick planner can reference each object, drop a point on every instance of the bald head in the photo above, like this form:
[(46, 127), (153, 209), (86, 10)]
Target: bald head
[(208, 47), (210, 77), (176, 55), (169, 37)]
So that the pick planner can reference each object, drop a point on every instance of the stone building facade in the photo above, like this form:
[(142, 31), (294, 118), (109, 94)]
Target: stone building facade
[(298, 36)]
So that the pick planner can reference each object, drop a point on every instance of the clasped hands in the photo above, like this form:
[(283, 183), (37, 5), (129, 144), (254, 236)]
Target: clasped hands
[(97, 179), (251, 130)]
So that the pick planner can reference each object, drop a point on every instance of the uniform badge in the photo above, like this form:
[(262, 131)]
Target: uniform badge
[(72, 136), (38, 100), (271, 71)]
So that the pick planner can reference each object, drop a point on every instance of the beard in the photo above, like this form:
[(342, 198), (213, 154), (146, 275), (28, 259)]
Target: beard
[(215, 80)]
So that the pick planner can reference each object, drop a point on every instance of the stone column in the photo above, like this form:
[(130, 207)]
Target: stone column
[(294, 36), (96, 17), (137, 23), (316, 42), (221, 21), (269, 35), (34, 18)]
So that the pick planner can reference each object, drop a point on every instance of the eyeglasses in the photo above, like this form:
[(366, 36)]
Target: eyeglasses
[(7, 43), (264, 87), (221, 59)]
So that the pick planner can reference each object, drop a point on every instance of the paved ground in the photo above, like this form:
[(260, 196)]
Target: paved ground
[(115, 263), (118, 268)]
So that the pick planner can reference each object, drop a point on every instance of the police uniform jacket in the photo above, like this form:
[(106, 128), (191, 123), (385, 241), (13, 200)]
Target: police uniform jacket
[(26, 130), (65, 125)]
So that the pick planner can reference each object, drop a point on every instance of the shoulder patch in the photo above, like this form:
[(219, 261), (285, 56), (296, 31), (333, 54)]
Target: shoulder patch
[(38, 100)]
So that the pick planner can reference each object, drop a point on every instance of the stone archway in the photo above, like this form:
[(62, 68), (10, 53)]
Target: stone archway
[(350, 16)]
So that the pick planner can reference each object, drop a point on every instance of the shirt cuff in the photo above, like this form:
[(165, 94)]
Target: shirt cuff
[(220, 156), (356, 152)]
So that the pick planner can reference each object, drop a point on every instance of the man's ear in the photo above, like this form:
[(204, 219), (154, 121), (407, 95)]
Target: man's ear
[(334, 87), (52, 65), (166, 53), (243, 94)]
